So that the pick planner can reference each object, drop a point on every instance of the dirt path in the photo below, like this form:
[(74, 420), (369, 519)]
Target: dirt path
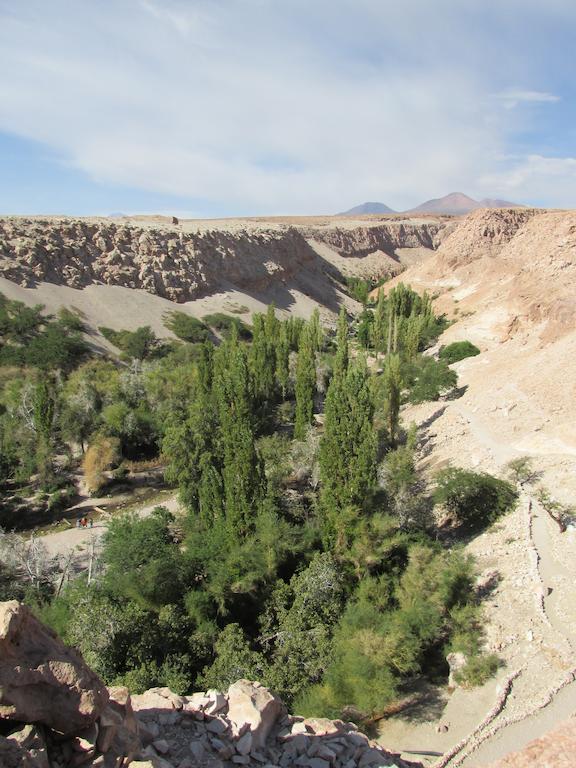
[(80, 543)]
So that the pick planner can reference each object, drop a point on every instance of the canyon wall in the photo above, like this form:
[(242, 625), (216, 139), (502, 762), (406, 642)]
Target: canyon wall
[(182, 263)]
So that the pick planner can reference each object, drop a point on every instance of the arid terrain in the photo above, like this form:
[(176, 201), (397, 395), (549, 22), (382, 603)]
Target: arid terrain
[(126, 272), (507, 280)]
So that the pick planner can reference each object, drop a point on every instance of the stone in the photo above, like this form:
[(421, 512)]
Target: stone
[(252, 705), (316, 762), (244, 744), (12, 755), (372, 756), (456, 661), (216, 702), (158, 698), (31, 739), (216, 726), (161, 746), (197, 750), (320, 726), (41, 679)]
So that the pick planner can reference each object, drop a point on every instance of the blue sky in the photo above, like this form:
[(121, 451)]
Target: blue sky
[(240, 107)]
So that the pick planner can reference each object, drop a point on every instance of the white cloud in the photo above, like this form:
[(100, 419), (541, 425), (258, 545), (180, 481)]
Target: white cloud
[(511, 98), (265, 106), (550, 181)]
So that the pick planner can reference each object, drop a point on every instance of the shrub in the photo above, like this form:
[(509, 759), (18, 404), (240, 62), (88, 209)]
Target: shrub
[(477, 670), (138, 344), (458, 350), (223, 325), (429, 378), (474, 499), (101, 455), (186, 327)]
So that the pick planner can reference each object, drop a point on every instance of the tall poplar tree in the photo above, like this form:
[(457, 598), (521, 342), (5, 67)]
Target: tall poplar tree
[(305, 381), (347, 453), (392, 393), (341, 359), (242, 472)]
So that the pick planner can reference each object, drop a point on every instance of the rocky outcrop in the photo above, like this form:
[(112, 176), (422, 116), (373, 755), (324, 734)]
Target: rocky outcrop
[(42, 680), (184, 264), (386, 237), (483, 233), (172, 264), (247, 726)]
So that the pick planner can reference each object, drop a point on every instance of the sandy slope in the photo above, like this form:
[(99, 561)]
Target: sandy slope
[(508, 278)]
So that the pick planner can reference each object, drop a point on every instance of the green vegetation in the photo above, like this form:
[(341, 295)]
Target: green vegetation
[(224, 324), (458, 350), (186, 327), (474, 499), (307, 556)]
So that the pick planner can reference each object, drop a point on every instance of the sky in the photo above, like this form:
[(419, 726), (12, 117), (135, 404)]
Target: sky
[(210, 108)]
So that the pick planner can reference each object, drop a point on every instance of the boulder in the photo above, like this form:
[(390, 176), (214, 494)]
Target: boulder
[(29, 744), (456, 661), (12, 755), (252, 707), (158, 698), (41, 679)]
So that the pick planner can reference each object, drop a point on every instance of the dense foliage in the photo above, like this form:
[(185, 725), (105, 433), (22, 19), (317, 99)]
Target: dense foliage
[(458, 350), (306, 556)]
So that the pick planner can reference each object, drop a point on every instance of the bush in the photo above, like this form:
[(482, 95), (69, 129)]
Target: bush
[(478, 670), (457, 351), (223, 325), (101, 455), (186, 327), (138, 344), (474, 499), (429, 378)]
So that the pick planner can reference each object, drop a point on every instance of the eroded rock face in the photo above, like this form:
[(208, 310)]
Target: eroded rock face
[(41, 679), (182, 265)]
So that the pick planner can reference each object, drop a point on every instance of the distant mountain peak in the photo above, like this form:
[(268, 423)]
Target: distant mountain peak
[(367, 208), (457, 203)]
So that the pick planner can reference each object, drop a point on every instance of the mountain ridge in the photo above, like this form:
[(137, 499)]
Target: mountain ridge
[(452, 204)]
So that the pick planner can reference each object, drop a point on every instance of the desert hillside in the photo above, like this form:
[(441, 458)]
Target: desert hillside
[(289, 510), (127, 272), (507, 279)]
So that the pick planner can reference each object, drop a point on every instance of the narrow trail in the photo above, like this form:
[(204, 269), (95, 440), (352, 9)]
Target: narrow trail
[(509, 725), (80, 544)]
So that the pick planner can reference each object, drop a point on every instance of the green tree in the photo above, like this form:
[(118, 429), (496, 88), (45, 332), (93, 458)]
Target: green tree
[(283, 361), (262, 359), (341, 358), (392, 381), (234, 661), (242, 472), (475, 499), (186, 327), (298, 623), (305, 382), (347, 453), (457, 351), (429, 378)]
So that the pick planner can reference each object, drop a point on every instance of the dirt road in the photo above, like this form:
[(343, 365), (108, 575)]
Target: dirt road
[(80, 543)]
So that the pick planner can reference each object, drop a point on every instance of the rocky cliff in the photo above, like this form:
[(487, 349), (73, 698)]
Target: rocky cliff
[(185, 262)]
